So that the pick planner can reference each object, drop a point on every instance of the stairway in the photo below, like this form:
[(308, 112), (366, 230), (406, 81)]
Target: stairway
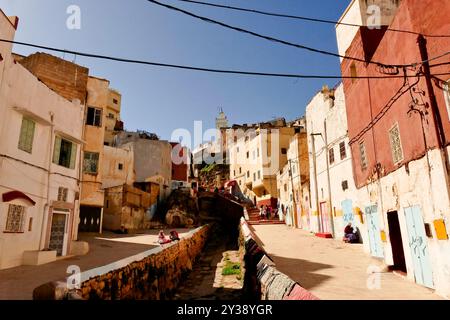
[(254, 218)]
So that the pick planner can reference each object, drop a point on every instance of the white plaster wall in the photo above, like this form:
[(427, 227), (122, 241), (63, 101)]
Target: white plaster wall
[(319, 110), (20, 89), (415, 189)]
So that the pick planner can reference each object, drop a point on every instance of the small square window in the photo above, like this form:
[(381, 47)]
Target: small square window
[(115, 101), (94, 117), (62, 194), (120, 166), (90, 164), (283, 151)]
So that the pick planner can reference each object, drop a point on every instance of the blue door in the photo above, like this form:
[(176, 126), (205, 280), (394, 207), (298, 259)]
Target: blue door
[(347, 211), (418, 245), (373, 230)]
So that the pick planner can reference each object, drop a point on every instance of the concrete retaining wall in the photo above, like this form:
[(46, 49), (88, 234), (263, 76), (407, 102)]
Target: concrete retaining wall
[(154, 274)]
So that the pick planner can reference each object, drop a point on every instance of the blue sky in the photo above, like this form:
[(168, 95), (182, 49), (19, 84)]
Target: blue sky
[(162, 100)]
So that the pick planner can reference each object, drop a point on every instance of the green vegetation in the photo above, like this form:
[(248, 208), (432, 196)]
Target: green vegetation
[(231, 268)]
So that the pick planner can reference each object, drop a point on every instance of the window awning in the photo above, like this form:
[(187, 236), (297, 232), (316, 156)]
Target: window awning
[(14, 195)]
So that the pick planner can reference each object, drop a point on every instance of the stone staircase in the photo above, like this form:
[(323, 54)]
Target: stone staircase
[(254, 218)]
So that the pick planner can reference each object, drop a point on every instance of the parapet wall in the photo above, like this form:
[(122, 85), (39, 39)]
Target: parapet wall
[(263, 281), (154, 274)]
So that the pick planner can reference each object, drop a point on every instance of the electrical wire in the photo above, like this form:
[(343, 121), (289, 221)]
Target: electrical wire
[(175, 66), (280, 15), (287, 43)]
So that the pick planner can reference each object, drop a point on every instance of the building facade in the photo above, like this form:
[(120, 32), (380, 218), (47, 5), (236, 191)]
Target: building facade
[(332, 187), (256, 155), (399, 132), (39, 163)]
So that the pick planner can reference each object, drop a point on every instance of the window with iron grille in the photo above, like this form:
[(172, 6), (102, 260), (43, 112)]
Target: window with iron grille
[(26, 135), (342, 150), (90, 164), (62, 194), (94, 117), (396, 145), (363, 156), (331, 155), (16, 219), (344, 185)]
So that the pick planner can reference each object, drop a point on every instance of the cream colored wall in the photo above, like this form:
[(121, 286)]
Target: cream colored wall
[(112, 176), (357, 13), (98, 97), (115, 110), (268, 163), (22, 93)]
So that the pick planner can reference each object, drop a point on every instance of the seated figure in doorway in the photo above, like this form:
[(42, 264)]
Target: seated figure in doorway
[(350, 235)]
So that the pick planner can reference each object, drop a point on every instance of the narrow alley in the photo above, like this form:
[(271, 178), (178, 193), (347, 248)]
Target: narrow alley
[(331, 269)]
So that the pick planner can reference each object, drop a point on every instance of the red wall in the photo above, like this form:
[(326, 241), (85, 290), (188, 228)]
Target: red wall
[(366, 98), (180, 171)]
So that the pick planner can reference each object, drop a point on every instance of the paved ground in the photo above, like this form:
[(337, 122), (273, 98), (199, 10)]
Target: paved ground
[(331, 269), (18, 283)]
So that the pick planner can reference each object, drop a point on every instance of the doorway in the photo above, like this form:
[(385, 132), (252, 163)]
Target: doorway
[(395, 235), (325, 218), (58, 234)]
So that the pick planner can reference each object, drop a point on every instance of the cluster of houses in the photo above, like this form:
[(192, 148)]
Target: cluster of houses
[(66, 163), (373, 151)]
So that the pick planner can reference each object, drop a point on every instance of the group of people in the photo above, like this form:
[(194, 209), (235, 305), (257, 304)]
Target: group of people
[(162, 239), (266, 212)]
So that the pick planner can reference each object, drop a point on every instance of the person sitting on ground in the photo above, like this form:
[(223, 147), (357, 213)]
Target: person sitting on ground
[(349, 234), (174, 236), (162, 238)]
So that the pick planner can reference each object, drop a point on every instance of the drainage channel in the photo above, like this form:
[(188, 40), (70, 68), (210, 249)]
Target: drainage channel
[(218, 274)]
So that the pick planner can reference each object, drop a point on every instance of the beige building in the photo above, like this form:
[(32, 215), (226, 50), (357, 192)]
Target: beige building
[(152, 160), (74, 83), (39, 163), (293, 182), (113, 123), (256, 154)]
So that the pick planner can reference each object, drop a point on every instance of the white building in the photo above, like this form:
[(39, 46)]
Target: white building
[(331, 177), (39, 164)]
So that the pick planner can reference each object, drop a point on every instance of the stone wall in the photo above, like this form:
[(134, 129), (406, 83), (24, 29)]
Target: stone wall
[(154, 274), (262, 279)]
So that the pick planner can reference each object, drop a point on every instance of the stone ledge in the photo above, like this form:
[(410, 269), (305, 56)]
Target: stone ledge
[(37, 258)]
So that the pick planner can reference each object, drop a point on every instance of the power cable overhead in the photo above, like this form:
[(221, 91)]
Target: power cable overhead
[(287, 43), (295, 17), (175, 66)]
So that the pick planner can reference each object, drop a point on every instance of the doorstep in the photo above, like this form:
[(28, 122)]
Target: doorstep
[(324, 235)]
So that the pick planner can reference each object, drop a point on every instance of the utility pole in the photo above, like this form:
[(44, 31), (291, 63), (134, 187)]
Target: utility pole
[(328, 178), (316, 187), (293, 195)]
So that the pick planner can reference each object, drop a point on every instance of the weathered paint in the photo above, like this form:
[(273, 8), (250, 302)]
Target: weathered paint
[(22, 94)]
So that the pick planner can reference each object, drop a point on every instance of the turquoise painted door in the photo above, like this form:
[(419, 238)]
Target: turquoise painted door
[(418, 245), (373, 229), (347, 211)]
